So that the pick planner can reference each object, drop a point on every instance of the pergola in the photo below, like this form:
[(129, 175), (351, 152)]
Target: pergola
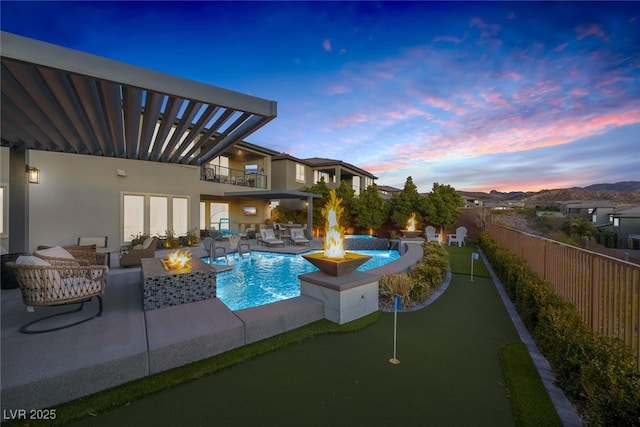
[(63, 100)]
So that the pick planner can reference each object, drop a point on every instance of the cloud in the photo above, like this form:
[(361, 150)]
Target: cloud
[(326, 45), (584, 31), (450, 39)]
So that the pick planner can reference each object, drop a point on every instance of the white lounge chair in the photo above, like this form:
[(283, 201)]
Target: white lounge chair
[(461, 233), (431, 235), (297, 237), (267, 237)]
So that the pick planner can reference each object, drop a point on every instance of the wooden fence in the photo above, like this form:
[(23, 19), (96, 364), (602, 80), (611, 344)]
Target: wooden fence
[(605, 289)]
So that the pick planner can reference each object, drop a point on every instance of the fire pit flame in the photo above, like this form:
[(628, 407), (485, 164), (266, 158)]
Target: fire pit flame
[(411, 222), (334, 232), (178, 260)]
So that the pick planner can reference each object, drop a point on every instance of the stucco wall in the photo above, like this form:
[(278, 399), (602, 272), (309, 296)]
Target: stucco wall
[(80, 195)]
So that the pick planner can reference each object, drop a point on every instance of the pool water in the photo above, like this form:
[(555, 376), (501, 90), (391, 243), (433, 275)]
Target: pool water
[(263, 278)]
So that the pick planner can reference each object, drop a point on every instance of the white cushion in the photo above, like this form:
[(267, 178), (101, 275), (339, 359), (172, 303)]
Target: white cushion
[(30, 260), (55, 252), (297, 233), (147, 243), (268, 234)]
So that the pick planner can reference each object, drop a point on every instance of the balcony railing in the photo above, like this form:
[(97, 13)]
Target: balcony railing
[(231, 176)]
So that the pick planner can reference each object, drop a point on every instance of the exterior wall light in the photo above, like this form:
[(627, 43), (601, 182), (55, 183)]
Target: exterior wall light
[(33, 175)]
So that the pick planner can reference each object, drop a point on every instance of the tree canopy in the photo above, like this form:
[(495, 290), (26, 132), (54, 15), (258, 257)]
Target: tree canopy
[(370, 209), (404, 203), (443, 205)]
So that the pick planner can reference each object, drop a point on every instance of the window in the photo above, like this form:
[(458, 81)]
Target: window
[(355, 183), (158, 218), (3, 227), (203, 213), (220, 165), (318, 176), (300, 175), (367, 182), (154, 215), (180, 216), (616, 222), (133, 217)]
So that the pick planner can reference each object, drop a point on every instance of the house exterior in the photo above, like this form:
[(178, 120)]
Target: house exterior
[(292, 173), (386, 192), (585, 208), (625, 222), (122, 151)]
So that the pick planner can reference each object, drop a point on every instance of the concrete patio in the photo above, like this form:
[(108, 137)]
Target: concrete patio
[(127, 343)]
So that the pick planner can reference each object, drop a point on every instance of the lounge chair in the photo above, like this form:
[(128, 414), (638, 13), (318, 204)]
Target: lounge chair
[(135, 255), (267, 237), (431, 235), (461, 233), (63, 281), (297, 237)]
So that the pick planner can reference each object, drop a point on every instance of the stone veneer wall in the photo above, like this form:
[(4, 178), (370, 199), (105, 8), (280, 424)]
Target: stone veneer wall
[(369, 244)]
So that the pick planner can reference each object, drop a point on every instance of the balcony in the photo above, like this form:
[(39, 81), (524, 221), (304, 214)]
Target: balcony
[(231, 176)]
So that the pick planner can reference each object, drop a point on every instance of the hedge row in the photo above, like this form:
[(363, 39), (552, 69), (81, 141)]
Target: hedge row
[(597, 373)]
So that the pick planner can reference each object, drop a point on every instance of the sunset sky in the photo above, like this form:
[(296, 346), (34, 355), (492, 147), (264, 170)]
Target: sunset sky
[(481, 96)]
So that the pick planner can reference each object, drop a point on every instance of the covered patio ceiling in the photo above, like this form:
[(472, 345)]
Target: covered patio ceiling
[(63, 100)]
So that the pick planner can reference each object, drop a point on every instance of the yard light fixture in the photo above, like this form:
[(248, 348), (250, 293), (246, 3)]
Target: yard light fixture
[(33, 175)]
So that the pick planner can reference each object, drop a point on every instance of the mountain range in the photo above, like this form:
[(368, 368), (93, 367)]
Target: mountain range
[(619, 192)]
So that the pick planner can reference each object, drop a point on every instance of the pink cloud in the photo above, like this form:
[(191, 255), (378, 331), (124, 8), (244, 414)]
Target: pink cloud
[(353, 119), (326, 45), (338, 89), (590, 30), (560, 47), (579, 92), (486, 30)]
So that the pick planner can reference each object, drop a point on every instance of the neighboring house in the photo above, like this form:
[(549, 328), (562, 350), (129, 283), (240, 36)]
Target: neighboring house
[(471, 202), (625, 222), (504, 204), (292, 173), (387, 192), (585, 208), (601, 216)]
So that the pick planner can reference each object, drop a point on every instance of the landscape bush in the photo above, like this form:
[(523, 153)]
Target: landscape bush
[(424, 278), (598, 373)]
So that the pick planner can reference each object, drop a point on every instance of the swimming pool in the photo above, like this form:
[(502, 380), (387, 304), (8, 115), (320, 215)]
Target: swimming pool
[(264, 277)]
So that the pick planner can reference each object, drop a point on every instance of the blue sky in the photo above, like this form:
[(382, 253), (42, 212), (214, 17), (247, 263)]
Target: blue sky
[(478, 95)]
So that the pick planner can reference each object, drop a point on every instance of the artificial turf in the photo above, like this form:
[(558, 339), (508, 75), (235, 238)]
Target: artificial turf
[(449, 373)]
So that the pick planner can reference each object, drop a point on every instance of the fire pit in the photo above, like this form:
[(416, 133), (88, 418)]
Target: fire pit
[(334, 261), (411, 232), (178, 261)]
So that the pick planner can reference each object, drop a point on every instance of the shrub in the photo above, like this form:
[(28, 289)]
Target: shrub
[(596, 372), (424, 278), (395, 284)]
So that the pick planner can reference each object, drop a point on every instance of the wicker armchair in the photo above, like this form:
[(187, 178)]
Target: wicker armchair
[(83, 255), (134, 256), (60, 282)]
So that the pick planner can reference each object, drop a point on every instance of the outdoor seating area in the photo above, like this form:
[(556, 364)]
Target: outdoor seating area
[(54, 277), (431, 235), (458, 237)]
